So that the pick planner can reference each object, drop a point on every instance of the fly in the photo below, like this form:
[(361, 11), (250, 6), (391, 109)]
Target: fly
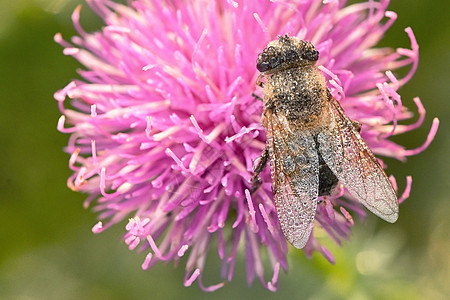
[(311, 143)]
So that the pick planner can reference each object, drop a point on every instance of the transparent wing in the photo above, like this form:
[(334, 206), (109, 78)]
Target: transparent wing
[(353, 163), (294, 168)]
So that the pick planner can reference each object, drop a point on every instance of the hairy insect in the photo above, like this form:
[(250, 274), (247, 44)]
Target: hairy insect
[(311, 143)]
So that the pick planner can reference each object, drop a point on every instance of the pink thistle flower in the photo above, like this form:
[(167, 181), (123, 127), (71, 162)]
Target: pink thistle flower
[(163, 127)]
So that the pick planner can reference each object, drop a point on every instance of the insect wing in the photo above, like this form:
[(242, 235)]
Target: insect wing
[(353, 163), (294, 167)]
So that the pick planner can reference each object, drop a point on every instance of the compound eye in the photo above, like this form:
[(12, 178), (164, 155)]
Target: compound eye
[(311, 55), (268, 63), (262, 66), (274, 62)]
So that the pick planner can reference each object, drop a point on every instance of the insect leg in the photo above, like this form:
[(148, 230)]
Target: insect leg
[(256, 181), (357, 125), (257, 97), (259, 82)]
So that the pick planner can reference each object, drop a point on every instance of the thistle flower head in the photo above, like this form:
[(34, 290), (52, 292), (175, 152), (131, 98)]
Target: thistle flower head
[(164, 128)]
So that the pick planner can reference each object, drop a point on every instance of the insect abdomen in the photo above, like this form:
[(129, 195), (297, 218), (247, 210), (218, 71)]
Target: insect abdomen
[(327, 179)]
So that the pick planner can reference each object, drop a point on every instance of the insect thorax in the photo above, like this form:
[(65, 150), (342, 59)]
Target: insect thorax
[(298, 93)]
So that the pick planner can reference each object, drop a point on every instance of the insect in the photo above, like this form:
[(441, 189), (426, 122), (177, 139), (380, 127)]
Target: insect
[(311, 143)]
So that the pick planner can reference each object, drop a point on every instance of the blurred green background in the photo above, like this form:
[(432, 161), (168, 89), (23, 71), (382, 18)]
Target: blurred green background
[(47, 249)]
